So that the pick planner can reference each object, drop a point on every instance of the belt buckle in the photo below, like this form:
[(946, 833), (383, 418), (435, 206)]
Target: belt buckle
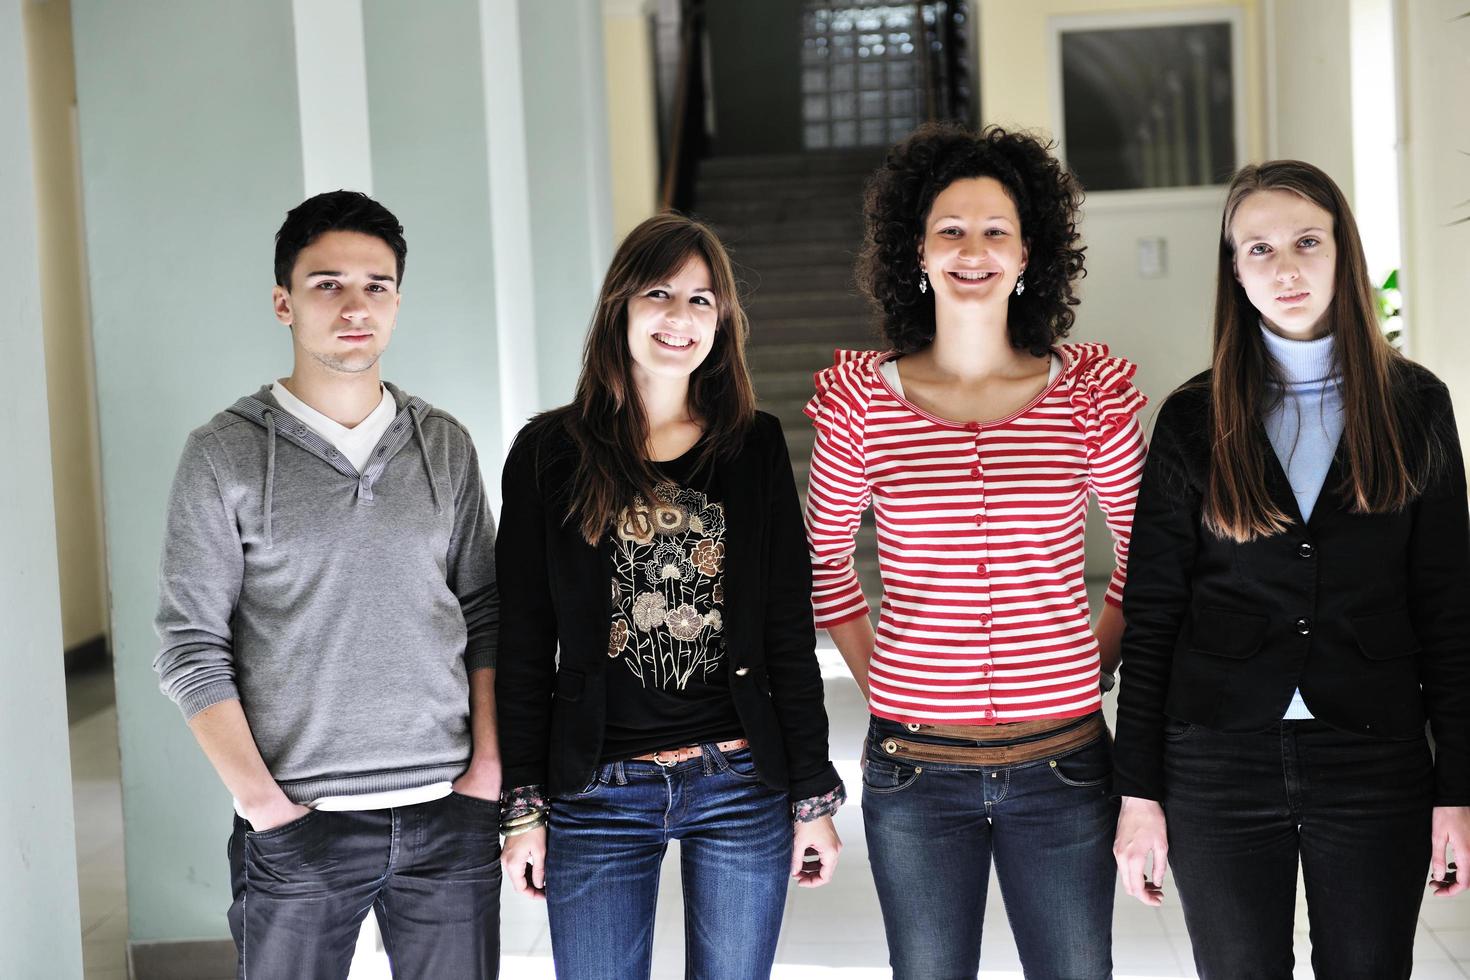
[(667, 765)]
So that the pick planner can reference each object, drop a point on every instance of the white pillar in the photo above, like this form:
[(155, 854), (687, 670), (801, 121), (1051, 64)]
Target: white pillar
[(1434, 72), (191, 154), (571, 210), (40, 921), (331, 90)]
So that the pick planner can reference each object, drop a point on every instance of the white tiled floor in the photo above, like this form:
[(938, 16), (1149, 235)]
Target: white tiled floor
[(835, 932)]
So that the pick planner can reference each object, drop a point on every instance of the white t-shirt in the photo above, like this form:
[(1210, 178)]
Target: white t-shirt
[(357, 444)]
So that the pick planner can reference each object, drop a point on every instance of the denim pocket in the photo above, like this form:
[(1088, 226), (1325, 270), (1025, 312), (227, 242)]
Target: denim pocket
[(284, 830), (741, 765), (883, 776), (297, 851), (1177, 731), (485, 808), (591, 787), (1087, 768)]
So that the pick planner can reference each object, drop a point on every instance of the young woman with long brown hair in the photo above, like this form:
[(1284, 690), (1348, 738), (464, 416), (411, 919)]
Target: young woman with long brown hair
[(1299, 606), (657, 670)]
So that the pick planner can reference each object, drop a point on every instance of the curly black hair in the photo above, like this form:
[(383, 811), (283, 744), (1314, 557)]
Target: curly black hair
[(896, 205)]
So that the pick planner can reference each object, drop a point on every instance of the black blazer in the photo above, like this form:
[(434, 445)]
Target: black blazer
[(554, 591), (1369, 614)]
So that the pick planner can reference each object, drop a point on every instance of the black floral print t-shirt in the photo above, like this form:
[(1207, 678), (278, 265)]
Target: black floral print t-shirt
[(667, 679)]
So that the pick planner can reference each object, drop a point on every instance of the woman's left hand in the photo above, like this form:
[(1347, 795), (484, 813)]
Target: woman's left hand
[(1451, 830), (819, 835)]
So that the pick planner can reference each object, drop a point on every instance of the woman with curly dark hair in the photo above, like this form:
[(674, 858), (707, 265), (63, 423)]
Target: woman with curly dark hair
[(978, 440)]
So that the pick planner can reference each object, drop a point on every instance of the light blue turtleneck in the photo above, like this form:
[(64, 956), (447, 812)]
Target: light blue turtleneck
[(1304, 422)]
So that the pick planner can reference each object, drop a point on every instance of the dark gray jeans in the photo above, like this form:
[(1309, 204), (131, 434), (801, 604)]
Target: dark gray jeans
[(431, 874), (1244, 810)]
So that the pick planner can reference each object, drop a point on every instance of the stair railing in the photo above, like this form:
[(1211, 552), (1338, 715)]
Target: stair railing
[(687, 133), (943, 96)]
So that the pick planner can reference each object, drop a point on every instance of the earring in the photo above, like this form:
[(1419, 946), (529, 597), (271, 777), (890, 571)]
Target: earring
[(1020, 284), (923, 281)]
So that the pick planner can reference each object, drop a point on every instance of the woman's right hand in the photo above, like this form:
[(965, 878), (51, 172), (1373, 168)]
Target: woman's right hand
[(1141, 831), (523, 860)]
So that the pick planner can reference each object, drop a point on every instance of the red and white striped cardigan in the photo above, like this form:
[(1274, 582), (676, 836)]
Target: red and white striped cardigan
[(984, 616)]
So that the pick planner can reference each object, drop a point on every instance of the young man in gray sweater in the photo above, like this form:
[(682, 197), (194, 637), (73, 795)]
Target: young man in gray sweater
[(328, 618)]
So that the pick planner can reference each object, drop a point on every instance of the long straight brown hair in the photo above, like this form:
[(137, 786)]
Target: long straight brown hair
[(606, 420), (1379, 475)]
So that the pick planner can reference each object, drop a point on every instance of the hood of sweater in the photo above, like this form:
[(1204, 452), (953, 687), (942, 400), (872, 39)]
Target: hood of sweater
[(263, 409), (1301, 362)]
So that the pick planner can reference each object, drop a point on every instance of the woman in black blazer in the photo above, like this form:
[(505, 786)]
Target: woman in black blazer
[(1298, 605), (657, 675)]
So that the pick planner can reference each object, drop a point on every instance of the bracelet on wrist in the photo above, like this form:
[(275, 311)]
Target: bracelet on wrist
[(526, 827)]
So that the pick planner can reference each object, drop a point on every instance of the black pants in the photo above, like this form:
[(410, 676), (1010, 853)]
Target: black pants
[(1243, 809), (431, 874)]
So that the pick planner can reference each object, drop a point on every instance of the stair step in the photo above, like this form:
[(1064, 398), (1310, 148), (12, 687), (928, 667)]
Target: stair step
[(766, 303), (792, 205), (836, 331), (762, 187), (782, 229), (801, 277), (776, 255), (804, 356), (784, 164)]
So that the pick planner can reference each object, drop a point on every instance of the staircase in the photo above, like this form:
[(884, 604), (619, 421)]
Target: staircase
[(793, 226)]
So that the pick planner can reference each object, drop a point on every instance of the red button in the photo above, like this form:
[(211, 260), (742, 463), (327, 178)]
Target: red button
[(980, 568), (973, 426), (984, 619), (989, 713), (984, 668), (974, 471)]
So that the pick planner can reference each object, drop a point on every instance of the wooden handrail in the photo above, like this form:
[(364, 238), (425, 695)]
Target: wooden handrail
[(674, 166)]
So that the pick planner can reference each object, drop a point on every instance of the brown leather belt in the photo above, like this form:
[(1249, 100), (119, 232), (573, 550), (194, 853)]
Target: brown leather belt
[(672, 757), (995, 755)]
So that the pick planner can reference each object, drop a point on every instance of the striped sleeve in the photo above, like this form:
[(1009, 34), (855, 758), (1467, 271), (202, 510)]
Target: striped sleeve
[(1107, 406), (837, 491)]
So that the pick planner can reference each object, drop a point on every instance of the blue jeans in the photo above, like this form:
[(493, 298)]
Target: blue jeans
[(431, 874), (1243, 810), (605, 848), (933, 829)]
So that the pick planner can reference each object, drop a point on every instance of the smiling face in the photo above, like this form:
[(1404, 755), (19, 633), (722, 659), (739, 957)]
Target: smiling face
[(1285, 260), (972, 247), (342, 303), (671, 324)]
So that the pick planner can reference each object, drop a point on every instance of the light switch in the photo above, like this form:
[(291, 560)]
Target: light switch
[(1152, 258)]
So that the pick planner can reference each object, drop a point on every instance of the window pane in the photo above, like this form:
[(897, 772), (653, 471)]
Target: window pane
[(1149, 106)]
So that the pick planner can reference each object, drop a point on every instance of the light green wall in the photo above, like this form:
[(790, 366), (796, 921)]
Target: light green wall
[(40, 924), (571, 209), (423, 69), (190, 157)]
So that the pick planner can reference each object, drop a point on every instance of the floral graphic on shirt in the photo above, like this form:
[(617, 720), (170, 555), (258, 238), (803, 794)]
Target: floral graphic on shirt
[(617, 638), (668, 588), (668, 562), (709, 557), (635, 523), (648, 610), (685, 622)]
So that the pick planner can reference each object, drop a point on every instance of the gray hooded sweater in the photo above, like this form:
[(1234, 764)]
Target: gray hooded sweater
[(344, 610)]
